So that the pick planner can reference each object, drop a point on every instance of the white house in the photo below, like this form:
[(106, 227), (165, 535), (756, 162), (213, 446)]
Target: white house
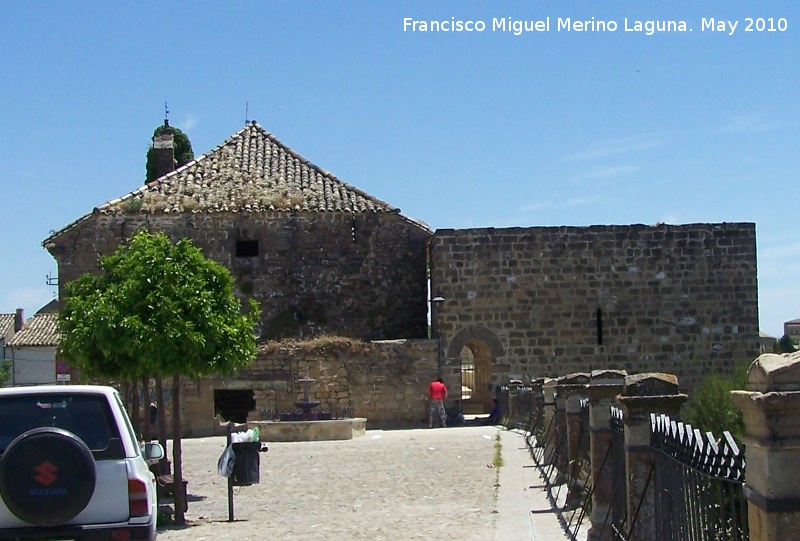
[(10, 324), (32, 351)]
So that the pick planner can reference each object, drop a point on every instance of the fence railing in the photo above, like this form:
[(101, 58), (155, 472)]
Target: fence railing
[(698, 483), (696, 479)]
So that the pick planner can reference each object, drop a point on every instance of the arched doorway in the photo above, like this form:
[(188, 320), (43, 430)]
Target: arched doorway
[(476, 349), (476, 375)]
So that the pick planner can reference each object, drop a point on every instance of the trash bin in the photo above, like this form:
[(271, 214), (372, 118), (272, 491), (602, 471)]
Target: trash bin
[(246, 468)]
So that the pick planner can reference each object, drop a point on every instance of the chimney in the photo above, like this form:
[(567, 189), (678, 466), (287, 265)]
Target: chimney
[(19, 320), (165, 151)]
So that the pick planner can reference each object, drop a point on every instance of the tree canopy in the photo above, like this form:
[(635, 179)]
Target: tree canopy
[(786, 344), (181, 146), (156, 307)]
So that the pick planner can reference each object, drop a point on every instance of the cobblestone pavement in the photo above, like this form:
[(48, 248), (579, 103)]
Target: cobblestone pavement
[(386, 485)]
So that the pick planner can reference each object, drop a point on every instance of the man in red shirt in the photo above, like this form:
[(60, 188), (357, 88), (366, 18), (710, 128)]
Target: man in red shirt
[(437, 391)]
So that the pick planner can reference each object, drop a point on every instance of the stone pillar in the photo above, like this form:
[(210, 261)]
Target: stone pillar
[(560, 436), (537, 411), (644, 394), (772, 436), (571, 389), (549, 393), (603, 389), (514, 414)]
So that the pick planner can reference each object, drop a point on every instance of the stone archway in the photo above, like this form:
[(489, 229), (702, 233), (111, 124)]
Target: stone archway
[(476, 349)]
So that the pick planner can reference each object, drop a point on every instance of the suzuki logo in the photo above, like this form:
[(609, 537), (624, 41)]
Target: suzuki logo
[(46, 473)]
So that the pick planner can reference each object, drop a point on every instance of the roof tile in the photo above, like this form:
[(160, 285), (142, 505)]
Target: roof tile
[(6, 322), (40, 330), (251, 171)]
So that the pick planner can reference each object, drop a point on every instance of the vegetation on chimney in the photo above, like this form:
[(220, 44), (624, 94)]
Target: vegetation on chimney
[(181, 145)]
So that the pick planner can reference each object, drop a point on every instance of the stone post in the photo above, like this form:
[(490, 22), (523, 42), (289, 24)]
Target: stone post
[(560, 436), (513, 419), (571, 389), (549, 393), (771, 408), (603, 389), (537, 410), (644, 394)]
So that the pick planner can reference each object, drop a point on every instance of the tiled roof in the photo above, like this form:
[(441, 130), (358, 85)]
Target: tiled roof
[(6, 322), (40, 330), (249, 172), (793, 321)]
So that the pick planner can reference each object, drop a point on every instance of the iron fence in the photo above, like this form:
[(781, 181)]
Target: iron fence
[(619, 500), (698, 482), (697, 479)]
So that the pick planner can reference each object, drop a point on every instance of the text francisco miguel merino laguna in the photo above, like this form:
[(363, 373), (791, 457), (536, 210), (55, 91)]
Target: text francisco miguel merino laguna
[(561, 24)]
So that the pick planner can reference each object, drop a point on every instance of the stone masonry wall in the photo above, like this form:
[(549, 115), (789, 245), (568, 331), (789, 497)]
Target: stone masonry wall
[(362, 276), (384, 381), (678, 299)]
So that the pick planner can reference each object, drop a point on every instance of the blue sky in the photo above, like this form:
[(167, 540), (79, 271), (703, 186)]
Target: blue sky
[(458, 129)]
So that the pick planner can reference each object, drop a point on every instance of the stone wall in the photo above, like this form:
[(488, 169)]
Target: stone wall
[(384, 381), (362, 275), (544, 300)]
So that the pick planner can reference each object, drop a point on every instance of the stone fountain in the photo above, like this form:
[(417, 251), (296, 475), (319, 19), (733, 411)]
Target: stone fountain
[(308, 425), (306, 404)]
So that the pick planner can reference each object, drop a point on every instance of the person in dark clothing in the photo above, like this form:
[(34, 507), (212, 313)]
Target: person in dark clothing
[(455, 417), (494, 414)]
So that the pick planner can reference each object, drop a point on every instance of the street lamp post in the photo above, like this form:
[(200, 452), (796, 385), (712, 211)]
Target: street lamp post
[(436, 304)]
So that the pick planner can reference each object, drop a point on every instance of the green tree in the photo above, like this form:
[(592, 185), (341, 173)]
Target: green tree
[(710, 407), (785, 345), (5, 371), (181, 145), (157, 308)]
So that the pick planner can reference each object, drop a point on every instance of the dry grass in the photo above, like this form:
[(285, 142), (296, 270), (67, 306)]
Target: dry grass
[(322, 343)]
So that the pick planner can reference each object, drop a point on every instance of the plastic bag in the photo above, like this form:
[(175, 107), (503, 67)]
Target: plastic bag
[(245, 437), (226, 462)]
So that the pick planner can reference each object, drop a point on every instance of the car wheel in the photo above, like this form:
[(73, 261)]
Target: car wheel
[(47, 476)]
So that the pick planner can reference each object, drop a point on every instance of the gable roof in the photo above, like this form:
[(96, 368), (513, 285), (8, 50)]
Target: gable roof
[(6, 322), (40, 330), (251, 171)]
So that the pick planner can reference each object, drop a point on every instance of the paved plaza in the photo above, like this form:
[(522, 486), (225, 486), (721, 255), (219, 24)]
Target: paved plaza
[(388, 485)]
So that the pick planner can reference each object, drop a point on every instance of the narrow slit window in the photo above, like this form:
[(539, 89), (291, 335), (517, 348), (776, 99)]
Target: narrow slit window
[(246, 248), (599, 327)]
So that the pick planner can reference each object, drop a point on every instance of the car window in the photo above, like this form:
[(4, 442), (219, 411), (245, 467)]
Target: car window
[(87, 416), (128, 424)]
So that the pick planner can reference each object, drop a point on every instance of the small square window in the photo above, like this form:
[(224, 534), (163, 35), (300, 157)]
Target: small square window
[(246, 248)]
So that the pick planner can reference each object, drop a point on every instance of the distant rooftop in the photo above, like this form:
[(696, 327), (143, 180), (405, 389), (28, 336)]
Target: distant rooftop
[(6, 322), (251, 171), (40, 330)]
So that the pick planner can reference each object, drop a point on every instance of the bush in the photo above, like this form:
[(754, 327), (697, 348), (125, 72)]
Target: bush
[(710, 408), (5, 371)]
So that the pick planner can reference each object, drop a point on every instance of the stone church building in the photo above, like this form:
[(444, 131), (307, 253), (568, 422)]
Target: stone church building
[(319, 255), (325, 258)]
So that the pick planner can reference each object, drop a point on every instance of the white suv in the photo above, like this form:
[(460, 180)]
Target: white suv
[(71, 466)]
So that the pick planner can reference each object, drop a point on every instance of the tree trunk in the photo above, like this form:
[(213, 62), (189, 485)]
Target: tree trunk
[(162, 414), (177, 471), (126, 395), (146, 424), (135, 409)]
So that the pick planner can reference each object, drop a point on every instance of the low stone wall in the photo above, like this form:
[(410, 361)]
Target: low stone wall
[(385, 382), (336, 429)]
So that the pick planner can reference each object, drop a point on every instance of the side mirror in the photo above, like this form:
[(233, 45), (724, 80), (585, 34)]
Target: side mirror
[(153, 451)]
